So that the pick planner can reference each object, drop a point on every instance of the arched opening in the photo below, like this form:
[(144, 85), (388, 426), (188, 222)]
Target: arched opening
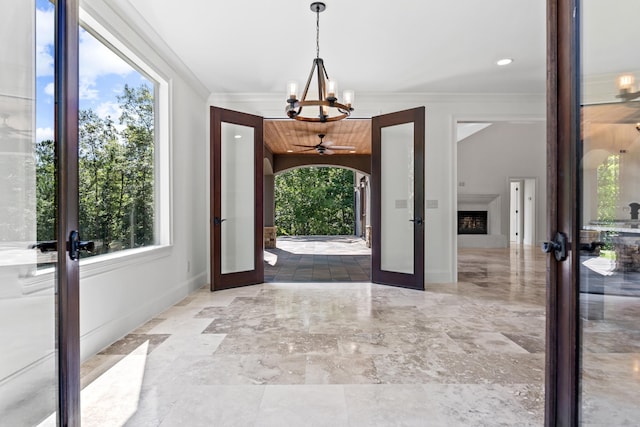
[(320, 221)]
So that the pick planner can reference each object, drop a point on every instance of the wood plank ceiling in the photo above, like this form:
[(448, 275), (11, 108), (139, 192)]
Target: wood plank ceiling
[(283, 136)]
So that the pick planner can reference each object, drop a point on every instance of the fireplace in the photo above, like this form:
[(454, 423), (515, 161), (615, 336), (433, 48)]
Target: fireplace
[(472, 222)]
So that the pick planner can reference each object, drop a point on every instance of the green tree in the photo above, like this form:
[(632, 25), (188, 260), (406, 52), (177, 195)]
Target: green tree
[(314, 201), (138, 117), (116, 176), (608, 176), (45, 190)]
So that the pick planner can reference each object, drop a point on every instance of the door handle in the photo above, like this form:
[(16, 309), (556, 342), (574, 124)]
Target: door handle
[(558, 246), (75, 245), (218, 221), (591, 246), (417, 220), (46, 246)]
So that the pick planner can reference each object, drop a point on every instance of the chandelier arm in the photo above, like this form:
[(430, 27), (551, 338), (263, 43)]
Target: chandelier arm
[(324, 70), (321, 87), (306, 86), (628, 96)]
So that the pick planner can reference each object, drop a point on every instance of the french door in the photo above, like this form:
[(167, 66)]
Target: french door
[(236, 199), (39, 289), (397, 198), (593, 311)]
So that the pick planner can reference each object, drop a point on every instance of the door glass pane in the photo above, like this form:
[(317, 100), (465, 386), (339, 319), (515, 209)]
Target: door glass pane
[(28, 373), (397, 199), (609, 227), (237, 199)]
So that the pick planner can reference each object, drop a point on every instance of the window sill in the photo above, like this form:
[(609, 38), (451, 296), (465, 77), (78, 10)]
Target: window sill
[(94, 266)]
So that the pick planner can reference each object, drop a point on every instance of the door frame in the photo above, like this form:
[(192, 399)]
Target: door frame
[(563, 127), (416, 116), (221, 281), (67, 278)]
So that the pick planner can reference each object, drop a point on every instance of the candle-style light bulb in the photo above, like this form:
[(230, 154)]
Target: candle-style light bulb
[(348, 97), (292, 90), (625, 83), (332, 88)]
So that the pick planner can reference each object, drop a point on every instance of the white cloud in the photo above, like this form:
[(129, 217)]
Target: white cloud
[(97, 60), (87, 90), (43, 134), (49, 89), (45, 24), (109, 109)]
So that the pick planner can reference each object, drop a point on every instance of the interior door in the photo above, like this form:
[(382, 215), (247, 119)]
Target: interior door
[(397, 198), (236, 199)]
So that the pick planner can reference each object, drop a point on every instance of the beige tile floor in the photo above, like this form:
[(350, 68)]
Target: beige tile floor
[(338, 354)]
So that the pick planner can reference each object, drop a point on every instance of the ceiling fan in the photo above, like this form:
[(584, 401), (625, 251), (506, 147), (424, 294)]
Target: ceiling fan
[(324, 147)]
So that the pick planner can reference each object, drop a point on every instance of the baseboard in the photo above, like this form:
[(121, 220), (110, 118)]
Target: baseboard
[(106, 334), (438, 276)]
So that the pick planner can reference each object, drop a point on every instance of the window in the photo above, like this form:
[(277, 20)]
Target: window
[(123, 146)]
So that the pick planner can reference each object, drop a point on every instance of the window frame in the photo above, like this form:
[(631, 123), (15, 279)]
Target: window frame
[(163, 167)]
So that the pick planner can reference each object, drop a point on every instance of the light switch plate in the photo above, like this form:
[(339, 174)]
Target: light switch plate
[(432, 204)]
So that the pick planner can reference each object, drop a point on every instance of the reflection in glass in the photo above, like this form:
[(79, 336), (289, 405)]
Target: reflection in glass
[(397, 199), (610, 229), (28, 375), (237, 199)]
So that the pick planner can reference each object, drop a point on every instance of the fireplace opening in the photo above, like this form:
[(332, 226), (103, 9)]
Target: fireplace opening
[(472, 222)]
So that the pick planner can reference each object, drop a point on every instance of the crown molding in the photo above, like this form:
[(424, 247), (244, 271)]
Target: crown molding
[(121, 19)]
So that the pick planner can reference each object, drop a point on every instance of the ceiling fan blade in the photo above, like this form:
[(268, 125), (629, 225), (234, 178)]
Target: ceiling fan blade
[(342, 147), (308, 149), (308, 146)]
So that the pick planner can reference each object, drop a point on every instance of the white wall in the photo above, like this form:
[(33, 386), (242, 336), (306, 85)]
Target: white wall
[(442, 113), (530, 213), (489, 158), (121, 296)]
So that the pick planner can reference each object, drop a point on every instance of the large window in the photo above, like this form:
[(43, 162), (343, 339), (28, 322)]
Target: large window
[(118, 138)]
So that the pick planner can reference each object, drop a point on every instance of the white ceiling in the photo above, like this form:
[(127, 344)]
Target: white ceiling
[(374, 46)]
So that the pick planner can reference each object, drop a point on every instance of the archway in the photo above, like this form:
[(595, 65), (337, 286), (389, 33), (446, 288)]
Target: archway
[(321, 221)]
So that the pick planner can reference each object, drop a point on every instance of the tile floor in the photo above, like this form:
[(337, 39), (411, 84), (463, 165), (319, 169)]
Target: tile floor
[(318, 259), (336, 354)]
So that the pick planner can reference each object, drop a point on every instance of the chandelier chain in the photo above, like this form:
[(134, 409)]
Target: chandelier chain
[(317, 32)]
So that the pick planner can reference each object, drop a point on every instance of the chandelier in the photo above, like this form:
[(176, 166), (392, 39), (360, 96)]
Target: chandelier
[(328, 107), (627, 88)]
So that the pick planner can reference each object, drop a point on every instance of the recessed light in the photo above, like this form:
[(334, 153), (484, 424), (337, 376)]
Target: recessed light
[(352, 151), (289, 151), (504, 61)]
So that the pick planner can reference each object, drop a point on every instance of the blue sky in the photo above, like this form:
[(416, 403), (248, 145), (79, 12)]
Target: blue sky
[(103, 74)]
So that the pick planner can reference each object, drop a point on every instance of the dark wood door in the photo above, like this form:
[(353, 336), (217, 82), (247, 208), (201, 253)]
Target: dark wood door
[(68, 269), (236, 199), (593, 167), (562, 127), (397, 198)]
